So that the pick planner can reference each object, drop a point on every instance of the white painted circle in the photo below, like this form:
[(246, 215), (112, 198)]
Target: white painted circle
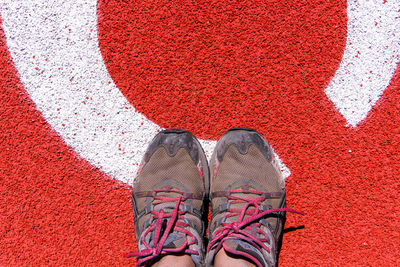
[(55, 49), (370, 58)]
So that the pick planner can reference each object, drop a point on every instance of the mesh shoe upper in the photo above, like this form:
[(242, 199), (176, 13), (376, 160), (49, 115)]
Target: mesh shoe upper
[(168, 196), (247, 197)]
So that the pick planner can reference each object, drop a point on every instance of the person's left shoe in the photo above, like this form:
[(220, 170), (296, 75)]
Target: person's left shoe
[(168, 199)]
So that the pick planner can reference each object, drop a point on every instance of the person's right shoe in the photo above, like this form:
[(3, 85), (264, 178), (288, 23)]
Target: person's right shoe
[(247, 196), (168, 196)]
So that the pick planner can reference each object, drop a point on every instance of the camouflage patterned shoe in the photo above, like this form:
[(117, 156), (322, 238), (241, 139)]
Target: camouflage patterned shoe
[(168, 196), (247, 195)]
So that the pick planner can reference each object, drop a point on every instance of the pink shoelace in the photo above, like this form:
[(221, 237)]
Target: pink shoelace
[(236, 229), (171, 226)]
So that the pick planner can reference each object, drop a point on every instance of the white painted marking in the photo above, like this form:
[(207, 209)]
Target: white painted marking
[(370, 58), (55, 49)]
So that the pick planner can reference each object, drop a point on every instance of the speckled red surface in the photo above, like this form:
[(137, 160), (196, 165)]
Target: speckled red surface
[(56, 209), (208, 65)]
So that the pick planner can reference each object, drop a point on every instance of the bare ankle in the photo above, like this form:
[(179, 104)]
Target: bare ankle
[(174, 260), (225, 259)]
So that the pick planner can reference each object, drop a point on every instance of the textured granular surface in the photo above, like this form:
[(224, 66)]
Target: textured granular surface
[(207, 66)]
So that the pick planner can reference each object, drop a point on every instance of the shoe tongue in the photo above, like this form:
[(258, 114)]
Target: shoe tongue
[(174, 239), (241, 204), (241, 247)]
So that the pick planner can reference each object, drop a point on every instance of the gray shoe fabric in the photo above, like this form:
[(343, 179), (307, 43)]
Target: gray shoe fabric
[(168, 198), (247, 196), (246, 191)]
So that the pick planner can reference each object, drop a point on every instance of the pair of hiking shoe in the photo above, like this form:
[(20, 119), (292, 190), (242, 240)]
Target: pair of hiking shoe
[(174, 186)]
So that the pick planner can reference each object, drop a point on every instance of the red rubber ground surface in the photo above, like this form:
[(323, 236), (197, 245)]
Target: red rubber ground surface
[(56, 209), (210, 65)]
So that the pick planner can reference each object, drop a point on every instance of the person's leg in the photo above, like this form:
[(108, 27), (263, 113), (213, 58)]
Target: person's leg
[(224, 259), (247, 194), (174, 261), (168, 201)]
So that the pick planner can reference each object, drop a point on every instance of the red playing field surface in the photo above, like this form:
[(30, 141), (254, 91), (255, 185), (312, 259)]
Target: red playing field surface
[(208, 65), (55, 208)]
